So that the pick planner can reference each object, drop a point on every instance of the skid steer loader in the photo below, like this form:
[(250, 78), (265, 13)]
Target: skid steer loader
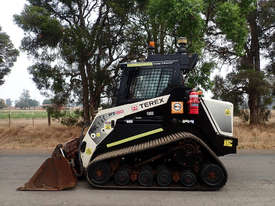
[(160, 135)]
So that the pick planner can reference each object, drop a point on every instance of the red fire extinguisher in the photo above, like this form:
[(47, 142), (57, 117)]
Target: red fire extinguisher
[(193, 102)]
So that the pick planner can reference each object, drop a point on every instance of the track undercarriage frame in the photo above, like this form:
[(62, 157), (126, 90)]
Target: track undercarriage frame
[(179, 161)]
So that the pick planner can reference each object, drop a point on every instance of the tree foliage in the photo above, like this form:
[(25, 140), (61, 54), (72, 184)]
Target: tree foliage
[(183, 18), (214, 25), (46, 101), (8, 55), (215, 29), (25, 101), (2, 104), (77, 45)]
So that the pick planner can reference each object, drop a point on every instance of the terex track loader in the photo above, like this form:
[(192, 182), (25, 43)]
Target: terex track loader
[(160, 135)]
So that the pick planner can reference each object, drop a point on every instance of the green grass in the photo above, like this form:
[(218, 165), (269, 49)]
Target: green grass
[(22, 114)]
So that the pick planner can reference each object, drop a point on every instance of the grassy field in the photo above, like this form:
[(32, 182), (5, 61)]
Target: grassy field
[(259, 137), (26, 134), (23, 114), (23, 135)]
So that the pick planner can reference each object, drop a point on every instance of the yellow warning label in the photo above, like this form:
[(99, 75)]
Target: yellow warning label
[(98, 134), (228, 143), (107, 126), (140, 64), (88, 151), (227, 112)]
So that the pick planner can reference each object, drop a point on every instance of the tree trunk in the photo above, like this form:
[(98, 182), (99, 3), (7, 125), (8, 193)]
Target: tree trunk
[(253, 107), (254, 57), (161, 39), (85, 94)]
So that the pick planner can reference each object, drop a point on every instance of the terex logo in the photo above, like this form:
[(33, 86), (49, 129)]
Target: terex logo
[(151, 103)]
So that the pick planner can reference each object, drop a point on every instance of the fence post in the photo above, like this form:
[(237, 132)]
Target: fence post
[(9, 119), (49, 116), (32, 119)]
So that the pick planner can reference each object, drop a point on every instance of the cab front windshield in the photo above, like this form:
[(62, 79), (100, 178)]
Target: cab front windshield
[(146, 83)]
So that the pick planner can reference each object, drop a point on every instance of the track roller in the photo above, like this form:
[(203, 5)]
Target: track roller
[(212, 175), (99, 173), (122, 177), (164, 176), (146, 177), (188, 178)]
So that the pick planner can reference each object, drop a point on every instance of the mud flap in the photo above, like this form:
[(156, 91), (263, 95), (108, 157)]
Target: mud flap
[(54, 174)]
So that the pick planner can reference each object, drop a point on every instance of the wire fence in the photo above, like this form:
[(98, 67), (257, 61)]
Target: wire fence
[(10, 118)]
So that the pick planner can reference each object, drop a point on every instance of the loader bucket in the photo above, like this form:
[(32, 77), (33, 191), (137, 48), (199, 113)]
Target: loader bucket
[(54, 174)]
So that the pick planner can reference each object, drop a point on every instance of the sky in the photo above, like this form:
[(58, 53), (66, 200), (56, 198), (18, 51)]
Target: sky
[(19, 78)]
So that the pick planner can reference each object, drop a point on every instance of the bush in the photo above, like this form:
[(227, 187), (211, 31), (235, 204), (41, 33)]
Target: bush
[(69, 121), (264, 115), (244, 115), (68, 118)]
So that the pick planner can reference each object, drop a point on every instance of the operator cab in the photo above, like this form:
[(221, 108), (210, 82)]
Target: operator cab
[(154, 77)]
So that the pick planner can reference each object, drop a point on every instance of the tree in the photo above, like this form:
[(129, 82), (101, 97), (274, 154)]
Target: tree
[(33, 103), (205, 24), (77, 56), (77, 46), (226, 90), (2, 104), (46, 102), (232, 31), (215, 29), (25, 100), (248, 77), (8, 55)]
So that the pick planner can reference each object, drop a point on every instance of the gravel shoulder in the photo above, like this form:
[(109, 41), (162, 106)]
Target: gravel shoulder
[(251, 182)]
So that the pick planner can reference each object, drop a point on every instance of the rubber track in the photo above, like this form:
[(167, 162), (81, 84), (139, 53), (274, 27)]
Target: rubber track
[(171, 138)]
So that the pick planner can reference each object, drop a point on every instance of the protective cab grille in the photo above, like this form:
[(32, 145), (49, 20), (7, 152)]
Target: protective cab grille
[(149, 82)]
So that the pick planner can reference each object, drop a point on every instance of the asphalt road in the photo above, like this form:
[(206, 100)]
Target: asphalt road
[(251, 182)]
